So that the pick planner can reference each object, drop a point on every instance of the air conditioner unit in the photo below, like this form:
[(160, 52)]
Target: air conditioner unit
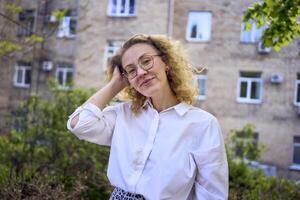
[(276, 78), (262, 49), (47, 65), (51, 18)]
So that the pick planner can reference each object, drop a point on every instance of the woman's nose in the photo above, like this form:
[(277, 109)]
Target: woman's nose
[(140, 71)]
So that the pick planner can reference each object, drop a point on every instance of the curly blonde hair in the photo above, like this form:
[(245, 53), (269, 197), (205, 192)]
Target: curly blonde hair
[(180, 75)]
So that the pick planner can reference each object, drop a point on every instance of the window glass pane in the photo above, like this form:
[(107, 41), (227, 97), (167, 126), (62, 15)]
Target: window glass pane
[(28, 76), (296, 156), (297, 139), (123, 2), (113, 6), (19, 75), (131, 6), (245, 35), (201, 86), (73, 24), (243, 90), (60, 78), (194, 31), (250, 74), (199, 25), (69, 78), (255, 90), (298, 93)]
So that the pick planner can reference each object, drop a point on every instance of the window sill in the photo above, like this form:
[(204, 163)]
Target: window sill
[(295, 167), (21, 86), (249, 101), (120, 15), (197, 40), (201, 98)]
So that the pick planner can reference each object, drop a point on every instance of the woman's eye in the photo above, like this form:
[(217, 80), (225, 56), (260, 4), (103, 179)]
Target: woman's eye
[(130, 71), (145, 61)]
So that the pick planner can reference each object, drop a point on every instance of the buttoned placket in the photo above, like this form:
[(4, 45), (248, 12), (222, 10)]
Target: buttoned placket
[(142, 154)]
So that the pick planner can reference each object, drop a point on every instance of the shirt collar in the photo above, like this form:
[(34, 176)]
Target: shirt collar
[(180, 108)]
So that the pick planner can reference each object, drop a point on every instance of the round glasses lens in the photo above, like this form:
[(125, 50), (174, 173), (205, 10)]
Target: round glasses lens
[(146, 62)]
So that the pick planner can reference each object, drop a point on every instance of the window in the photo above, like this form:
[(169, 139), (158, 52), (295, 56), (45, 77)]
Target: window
[(67, 25), (199, 26), (64, 75), (250, 87), (296, 150), (201, 81), (110, 50), (297, 90), (120, 8), (26, 19), (22, 76), (254, 35)]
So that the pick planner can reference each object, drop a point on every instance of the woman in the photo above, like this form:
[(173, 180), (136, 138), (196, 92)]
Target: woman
[(161, 146)]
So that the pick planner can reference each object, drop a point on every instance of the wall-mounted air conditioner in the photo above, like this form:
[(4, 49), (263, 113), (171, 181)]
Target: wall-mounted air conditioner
[(262, 49), (47, 65), (51, 19), (276, 78)]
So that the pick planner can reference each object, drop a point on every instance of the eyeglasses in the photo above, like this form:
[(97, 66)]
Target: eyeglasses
[(145, 62)]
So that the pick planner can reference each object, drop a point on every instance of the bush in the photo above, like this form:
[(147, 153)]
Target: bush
[(247, 183), (43, 160)]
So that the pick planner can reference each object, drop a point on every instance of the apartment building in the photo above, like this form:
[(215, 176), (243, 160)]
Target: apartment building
[(25, 73), (243, 81)]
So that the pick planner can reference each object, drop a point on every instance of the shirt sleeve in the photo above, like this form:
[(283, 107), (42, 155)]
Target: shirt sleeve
[(94, 125), (212, 168)]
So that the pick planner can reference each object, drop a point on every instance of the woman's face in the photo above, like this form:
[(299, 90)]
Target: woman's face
[(147, 82)]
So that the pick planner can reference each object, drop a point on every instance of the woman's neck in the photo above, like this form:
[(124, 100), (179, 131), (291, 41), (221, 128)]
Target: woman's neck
[(164, 100)]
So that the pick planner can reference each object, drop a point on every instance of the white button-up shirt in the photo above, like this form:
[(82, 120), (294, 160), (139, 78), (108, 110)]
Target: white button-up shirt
[(175, 154)]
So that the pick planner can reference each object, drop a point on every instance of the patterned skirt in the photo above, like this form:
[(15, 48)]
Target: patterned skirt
[(119, 194)]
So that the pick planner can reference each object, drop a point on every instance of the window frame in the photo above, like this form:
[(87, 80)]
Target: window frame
[(118, 9), (64, 27), (23, 68), (116, 45), (201, 77), (295, 166), (190, 24), (27, 26), (65, 68), (255, 33), (297, 86), (249, 81)]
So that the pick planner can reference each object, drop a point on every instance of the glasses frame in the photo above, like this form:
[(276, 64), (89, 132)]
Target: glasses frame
[(124, 73)]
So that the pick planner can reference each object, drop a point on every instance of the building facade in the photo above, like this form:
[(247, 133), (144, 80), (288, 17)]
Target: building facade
[(243, 82)]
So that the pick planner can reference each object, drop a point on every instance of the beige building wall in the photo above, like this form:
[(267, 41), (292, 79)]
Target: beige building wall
[(97, 28), (224, 56)]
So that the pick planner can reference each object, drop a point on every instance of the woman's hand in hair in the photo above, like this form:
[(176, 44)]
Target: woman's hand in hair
[(118, 81)]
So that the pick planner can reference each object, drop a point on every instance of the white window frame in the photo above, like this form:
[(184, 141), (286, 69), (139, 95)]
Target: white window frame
[(295, 166), (297, 85), (255, 33), (65, 70), (64, 27), (249, 81), (199, 19), (201, 77), (23, 68), (110, 49), (118, 9)]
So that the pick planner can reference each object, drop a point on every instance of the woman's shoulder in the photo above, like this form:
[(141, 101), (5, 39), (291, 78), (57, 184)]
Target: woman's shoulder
[(200, 114)]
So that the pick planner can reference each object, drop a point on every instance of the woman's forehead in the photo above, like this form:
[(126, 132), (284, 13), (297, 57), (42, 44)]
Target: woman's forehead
[(135, 51)]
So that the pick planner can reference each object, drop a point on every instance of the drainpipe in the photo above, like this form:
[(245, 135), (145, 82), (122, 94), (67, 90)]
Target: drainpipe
[(170, 18)]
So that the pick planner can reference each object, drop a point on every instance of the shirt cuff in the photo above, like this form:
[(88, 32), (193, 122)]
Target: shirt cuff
[(93, 109)]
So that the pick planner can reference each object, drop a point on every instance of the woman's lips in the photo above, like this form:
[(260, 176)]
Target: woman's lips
[(146, 82)]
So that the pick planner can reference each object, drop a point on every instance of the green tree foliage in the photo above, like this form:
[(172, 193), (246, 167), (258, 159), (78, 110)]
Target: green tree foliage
[(282, 18), (248, 183), (43, 160), (8, 42)]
